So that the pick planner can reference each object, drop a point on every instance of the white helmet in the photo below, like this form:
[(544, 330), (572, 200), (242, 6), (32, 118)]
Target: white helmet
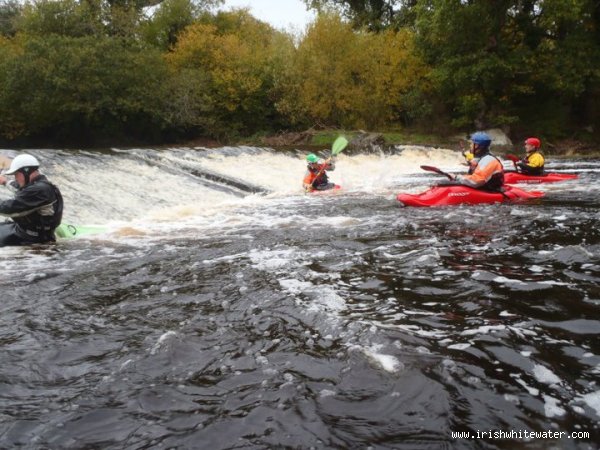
[(21, 162)]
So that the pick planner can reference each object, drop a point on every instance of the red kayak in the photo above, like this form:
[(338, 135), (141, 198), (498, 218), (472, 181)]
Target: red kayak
[(516, 177), (459, 195), (324, 191)]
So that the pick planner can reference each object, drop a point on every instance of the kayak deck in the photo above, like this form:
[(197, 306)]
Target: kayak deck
[(67, 231), (460, 195), (516, 177)]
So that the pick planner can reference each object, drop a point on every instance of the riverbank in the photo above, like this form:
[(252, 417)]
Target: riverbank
[(360, 140), (366, 139)]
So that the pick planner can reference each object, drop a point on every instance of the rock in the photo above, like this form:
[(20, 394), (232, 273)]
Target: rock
[(499, 137), (365, 142), (289, 139)]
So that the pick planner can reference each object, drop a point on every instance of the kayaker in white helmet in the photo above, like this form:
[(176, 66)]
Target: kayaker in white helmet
[(37, 206)]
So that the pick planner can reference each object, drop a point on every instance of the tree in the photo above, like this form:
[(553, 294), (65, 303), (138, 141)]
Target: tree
[(492, 59), (60, 17), (10, 10), (344, 78), (80, 89), (374, 15), (231, 57), (170, 18)]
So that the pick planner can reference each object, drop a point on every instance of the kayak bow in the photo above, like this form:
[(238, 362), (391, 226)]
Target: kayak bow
[(67, 231)]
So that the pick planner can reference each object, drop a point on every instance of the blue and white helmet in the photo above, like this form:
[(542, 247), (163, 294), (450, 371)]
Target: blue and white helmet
[(481, 139)]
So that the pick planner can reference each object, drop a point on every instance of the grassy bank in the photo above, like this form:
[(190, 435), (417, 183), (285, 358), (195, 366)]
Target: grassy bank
[(324, 138)]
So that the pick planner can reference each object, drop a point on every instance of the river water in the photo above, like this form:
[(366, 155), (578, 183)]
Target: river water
[(222, 308)]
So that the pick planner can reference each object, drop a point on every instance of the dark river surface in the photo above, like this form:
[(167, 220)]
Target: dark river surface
[(208, 316)]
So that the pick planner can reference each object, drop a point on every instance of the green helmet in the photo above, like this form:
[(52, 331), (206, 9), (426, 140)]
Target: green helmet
[(312, 158)]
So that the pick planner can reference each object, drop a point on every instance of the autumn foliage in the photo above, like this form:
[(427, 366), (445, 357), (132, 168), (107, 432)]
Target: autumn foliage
[(95, 71)]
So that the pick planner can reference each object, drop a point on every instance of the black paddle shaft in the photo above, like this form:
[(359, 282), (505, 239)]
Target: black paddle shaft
[(436, 170)]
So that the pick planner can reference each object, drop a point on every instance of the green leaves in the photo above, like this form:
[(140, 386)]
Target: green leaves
[(238, 58), (492, 60), (100, 70), (81, 88), (342, 78)]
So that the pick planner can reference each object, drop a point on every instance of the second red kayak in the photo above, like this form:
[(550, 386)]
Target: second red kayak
[(459, 195), (516, 177)]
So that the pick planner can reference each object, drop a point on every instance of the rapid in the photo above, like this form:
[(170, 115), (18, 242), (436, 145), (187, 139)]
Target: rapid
[(224, 308)]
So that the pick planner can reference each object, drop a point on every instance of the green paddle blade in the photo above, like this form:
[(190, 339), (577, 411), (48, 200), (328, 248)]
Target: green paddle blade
[(338, 145)]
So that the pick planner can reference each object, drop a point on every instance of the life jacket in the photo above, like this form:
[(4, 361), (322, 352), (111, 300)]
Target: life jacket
[(496, 182), (488, 174), (316, 175), (532, 164), (38, 223), (53, 221)]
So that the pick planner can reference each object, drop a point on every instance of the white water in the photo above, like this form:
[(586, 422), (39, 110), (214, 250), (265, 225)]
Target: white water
[(135, 188), (128, 188), (444, 292)]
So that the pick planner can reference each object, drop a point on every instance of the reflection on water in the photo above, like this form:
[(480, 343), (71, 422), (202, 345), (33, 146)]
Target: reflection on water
[(281, 320)]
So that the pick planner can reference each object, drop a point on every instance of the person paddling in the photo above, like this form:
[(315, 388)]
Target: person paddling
[(487, 173), (533, 162), (316, 174), (36, 209)]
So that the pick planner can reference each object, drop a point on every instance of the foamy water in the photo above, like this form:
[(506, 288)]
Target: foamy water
[(206, 317)]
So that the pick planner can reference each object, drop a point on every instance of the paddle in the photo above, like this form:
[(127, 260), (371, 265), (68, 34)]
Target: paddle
[(514, 159), (338, 145), (436, 170)]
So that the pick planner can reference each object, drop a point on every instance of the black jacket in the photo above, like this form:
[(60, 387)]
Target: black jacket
[(36, 210)]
